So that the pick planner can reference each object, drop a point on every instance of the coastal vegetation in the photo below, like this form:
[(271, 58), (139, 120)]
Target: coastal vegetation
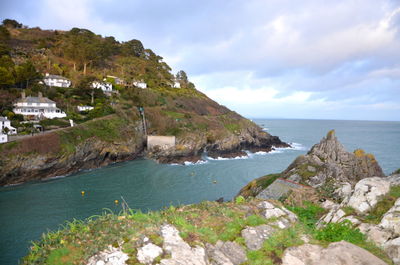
[(206, 222)]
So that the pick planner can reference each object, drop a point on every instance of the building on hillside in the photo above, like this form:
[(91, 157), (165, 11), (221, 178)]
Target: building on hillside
[(85, 108), (117, 80), (37, 107), (56, 80), (140, 84), (105, 86), (6, 123), (3, 138), (177, 84)]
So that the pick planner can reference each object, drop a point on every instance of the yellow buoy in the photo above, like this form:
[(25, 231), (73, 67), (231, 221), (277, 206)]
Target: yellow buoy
[(116, 201), (83, 193), (215, 182)]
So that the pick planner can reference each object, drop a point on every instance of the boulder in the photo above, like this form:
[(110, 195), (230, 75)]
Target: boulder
[(269, 210), (180, 251), (339, 253), (109, 256), (255, 236), (367, 193), (392, 249), (148, 253), (391, 220), (225, 253)]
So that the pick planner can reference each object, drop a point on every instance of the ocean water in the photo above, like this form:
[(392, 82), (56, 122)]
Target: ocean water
[(31, 209)]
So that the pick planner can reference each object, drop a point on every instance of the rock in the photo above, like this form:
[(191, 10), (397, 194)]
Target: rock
[(109, 256), (375, 233), (333, 216), (328, 164), (352, 219), (278, 189), (367, 193), (255, 236), (344, 191), (391, 220), (271, 211), (339, 253), (148, 253), (328, 204), (392, 249), (394, 179), (180, 251), (225, 253)]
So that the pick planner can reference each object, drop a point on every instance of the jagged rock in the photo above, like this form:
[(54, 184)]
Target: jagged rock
[(339, 253), (328, 163), (148, 253), (255, 236), (278, 189), (109, 256), (367, 193), (344, 191), (375, 233), (271, 211), (391, 220), (333, 216), (225, 253), (180, 251), (392, 249)]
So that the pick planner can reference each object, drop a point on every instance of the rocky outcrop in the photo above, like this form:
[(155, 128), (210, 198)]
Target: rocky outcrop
[(109, 256), (340, 253), (329, 166)]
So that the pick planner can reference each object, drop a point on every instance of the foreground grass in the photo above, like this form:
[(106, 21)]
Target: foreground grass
[(206, 222)]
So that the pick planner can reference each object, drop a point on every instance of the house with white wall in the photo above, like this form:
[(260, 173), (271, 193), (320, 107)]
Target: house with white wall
[(139, 84), (177, 84), (56, 80), (37, 107), (6, 123), (85, 108), (3, 138), (105, 86)]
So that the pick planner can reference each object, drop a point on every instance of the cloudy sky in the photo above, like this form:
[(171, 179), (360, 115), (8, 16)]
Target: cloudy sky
[(261, 58)]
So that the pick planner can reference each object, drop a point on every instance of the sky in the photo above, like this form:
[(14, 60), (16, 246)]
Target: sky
[(262, 58)]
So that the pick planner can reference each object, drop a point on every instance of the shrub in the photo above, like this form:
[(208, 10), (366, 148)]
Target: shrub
[(308, 215), (334, 232)]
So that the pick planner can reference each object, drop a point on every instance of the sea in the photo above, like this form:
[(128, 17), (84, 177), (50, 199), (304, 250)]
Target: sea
[(31, 209)]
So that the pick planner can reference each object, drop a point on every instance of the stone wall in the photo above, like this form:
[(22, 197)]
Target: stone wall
[(163, 142)]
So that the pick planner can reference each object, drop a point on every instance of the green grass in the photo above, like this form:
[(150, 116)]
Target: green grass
[(232, 127), (309, 214), (175, 115)]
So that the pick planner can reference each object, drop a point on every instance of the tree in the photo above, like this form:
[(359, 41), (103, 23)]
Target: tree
[(133, 47), (26, 73), (12, 23), (4, 34), (182, 76)]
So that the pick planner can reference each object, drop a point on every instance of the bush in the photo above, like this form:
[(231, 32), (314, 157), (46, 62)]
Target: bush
[(334, 232), (308, 215)]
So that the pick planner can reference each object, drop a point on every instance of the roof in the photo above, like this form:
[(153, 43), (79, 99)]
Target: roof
[(3, 119), (35, 100), (55, 77)]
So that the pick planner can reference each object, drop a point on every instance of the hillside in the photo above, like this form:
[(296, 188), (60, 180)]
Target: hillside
[(113, 130)]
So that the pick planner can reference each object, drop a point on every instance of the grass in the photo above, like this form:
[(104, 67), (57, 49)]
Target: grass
[(232, 127), (175, 115), (206, 222)]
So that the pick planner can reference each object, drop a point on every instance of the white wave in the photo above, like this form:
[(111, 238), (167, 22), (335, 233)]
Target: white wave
[(297, 146), (276, 151), (225, 158), (188, 163)]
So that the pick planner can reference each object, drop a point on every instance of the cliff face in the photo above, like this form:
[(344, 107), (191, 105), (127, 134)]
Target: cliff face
[(86, 146)]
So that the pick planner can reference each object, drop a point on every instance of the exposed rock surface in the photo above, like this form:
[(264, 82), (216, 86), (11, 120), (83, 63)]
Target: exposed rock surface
[(255, 236), (110, 256), (226, 253), (391, 220), (367, 193), (148, 253), (392, 248), (180, 251), (340, 253), (328, 163)]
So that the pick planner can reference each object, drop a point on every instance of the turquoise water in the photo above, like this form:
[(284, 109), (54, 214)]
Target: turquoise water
[(30, 209)]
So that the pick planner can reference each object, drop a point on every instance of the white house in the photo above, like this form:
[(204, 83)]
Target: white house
[(56, 80), (40, 107), (85, 108), (3, 138), (6, 123), (105, 86), (139, 84), (177, 84)]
